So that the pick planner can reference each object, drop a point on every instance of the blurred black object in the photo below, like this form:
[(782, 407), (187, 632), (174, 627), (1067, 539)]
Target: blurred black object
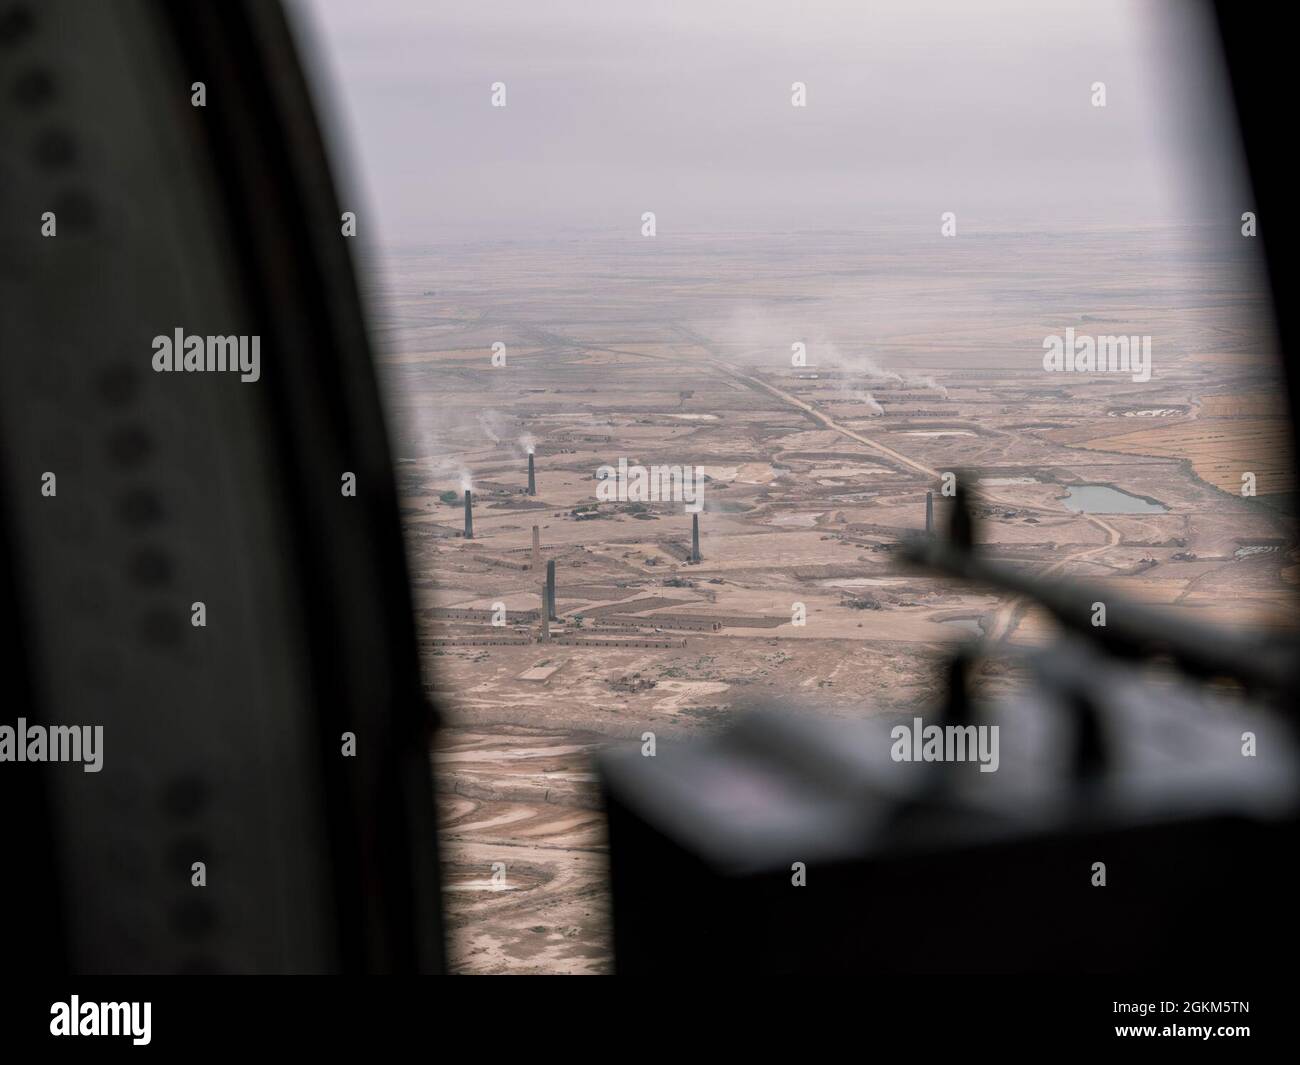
[(942, 866), (916, 866), (938, 867), (222, 744)]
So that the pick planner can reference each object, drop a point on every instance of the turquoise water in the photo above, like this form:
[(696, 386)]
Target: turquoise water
[(1102, 499)]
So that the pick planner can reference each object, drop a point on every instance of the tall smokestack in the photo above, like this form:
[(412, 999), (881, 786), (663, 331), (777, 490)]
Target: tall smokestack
[(546, 625), (532, 480), (695, 538), (929, 513), (537, 549), (469, 515), (550, 590)]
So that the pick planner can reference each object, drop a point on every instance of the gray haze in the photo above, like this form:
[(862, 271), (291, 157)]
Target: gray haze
[(615, 108)]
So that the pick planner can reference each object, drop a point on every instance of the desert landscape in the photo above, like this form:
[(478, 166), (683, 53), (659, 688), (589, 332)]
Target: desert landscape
[(824, 382)]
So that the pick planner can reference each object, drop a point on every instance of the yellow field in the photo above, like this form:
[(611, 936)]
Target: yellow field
[(1229, 436)]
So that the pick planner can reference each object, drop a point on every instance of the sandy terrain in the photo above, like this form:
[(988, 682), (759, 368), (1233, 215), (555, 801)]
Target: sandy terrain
[(923, 357)]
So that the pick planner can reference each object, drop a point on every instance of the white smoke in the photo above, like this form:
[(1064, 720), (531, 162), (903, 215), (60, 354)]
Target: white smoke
[(756, 336), (437, 434), (928, 383), (495, 425)]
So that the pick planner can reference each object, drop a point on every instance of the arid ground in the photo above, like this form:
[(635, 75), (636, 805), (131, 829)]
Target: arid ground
[(924, 356)]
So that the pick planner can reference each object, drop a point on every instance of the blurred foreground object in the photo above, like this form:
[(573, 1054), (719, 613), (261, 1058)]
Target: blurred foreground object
[(223, 743), (1183, 801)]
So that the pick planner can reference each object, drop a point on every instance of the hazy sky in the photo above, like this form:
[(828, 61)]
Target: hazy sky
[(683, 108)]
